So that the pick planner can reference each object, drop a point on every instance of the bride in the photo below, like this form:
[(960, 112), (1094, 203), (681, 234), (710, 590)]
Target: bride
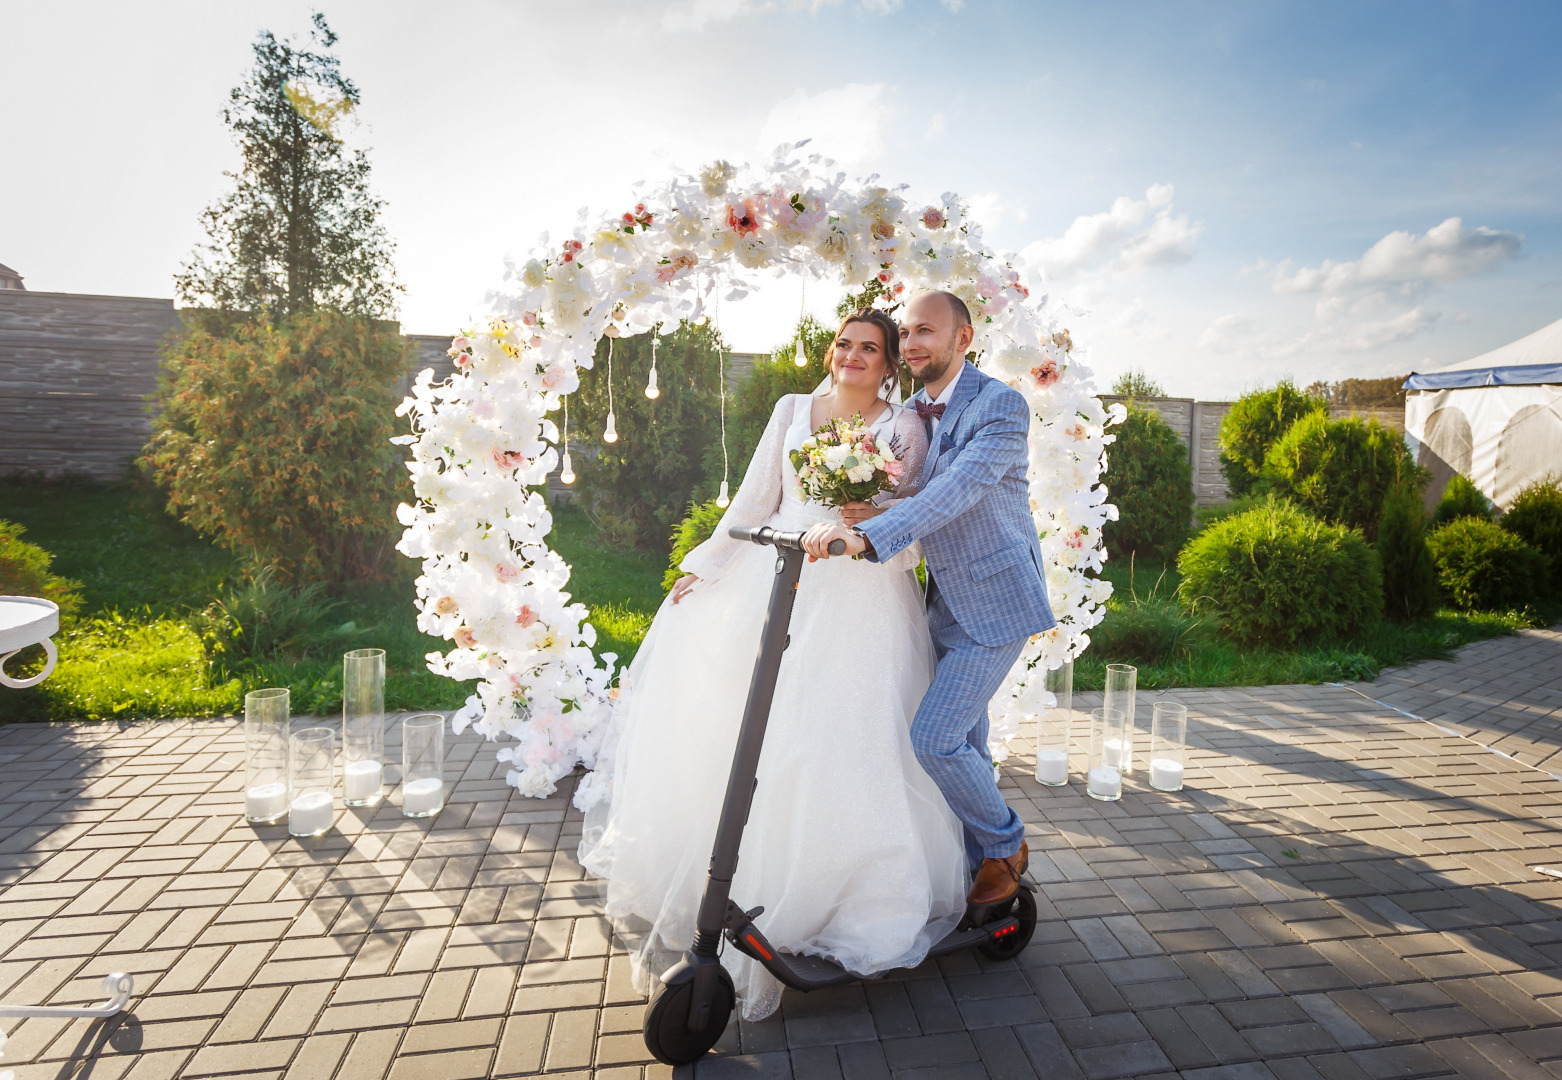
[(849, 845)]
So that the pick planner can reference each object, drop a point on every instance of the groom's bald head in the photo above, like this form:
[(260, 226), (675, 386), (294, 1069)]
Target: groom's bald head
[(935, 333)]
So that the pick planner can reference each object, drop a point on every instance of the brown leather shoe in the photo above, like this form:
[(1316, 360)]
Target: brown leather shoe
[(999, 879)]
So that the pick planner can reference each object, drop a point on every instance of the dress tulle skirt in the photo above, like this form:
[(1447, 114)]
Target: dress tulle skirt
[(849, 846)]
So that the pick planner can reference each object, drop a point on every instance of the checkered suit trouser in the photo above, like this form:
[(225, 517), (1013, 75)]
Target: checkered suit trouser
[(949, 733)]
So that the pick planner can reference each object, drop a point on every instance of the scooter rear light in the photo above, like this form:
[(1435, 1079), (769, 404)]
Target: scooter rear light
[(754, 942), (1005, 931)]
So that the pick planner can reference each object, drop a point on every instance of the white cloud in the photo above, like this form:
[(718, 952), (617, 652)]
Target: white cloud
[(1445, 252), (696, 15), (1379, 332), (844, 122), (935, 127), (993, 208), (1118, 241), (954, 6)]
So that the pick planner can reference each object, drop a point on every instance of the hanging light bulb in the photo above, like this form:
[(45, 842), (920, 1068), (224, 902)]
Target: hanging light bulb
[(651, 390), (801, 359), (567, 470), (611, 434), (699, 318), (721, 499)]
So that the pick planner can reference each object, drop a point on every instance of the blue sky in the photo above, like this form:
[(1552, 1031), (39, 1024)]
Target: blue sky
[(1222, 193)]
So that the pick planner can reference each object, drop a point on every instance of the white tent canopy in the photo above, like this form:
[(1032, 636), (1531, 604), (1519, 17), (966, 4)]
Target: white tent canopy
[(1496, 418)]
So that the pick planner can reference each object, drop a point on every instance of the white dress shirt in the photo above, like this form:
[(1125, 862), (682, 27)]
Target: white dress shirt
[(943, 399)]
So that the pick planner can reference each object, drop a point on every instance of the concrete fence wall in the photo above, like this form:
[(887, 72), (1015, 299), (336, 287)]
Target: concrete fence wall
[(1197, 424)]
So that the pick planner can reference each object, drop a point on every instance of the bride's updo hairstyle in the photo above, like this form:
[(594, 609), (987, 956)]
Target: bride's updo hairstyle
[(891, 331)]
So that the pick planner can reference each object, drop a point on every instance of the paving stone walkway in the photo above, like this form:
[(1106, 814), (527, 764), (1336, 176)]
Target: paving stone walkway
[(1343, 892)]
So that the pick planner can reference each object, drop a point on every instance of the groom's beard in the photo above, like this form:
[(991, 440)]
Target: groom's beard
[(934, 370)]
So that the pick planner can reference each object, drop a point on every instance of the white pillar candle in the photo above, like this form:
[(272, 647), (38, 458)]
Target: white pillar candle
[(265, 802), (310, 814), (1166, 774), (1051, 766), (1119, 754), (424, 796), (361, 781), (1105, 782)]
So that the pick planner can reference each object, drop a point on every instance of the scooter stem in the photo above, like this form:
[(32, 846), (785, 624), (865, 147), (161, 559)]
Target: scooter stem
[(745, 759)]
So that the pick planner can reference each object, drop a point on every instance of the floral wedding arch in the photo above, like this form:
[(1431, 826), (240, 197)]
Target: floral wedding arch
[(483, 437)]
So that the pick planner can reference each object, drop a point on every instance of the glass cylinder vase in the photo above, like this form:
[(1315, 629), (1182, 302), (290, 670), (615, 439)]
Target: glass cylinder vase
[(423, 765), (363, 726), (1052, 726), (266, 717), (1107, 745), (311, 781), (1122, 684), (1168, 745)]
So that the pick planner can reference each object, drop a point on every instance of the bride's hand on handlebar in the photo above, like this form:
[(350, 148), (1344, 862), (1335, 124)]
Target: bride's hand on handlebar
[(855, 513), (682, 587)]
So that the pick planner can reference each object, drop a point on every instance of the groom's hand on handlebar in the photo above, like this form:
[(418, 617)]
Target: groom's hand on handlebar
[(817, 540)]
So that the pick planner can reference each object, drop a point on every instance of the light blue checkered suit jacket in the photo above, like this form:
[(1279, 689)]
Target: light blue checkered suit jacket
[(972, 514)]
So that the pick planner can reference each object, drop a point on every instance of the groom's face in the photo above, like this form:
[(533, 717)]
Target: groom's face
[(930, 338)]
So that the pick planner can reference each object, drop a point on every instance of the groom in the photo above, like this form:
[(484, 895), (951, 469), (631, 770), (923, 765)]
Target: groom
[(986, 593)]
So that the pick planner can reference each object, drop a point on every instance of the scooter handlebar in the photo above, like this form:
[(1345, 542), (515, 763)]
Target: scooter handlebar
[(764, 534)]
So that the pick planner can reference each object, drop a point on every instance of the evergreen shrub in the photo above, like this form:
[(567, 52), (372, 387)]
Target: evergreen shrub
[(1283, 578), (274, 441), (24, 571), (1536, 518), (1254, 424), (1484, 567), (1461, 498), (1409, 575), (1149, 480), (1340, 470), (696, 528), (636, 489)]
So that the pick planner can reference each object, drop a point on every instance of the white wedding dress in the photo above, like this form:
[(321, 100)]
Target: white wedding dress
[(849, 846)]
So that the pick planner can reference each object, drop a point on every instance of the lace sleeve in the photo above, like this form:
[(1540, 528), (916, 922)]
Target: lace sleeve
[(911, 445), (757, 498)]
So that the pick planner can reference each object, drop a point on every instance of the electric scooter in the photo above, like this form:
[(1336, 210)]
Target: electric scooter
[(691, 1005)]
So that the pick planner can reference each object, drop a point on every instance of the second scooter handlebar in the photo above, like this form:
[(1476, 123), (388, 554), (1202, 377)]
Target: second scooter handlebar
[(764, 534)]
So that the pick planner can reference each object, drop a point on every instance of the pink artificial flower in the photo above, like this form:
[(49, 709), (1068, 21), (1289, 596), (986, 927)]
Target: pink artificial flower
[(1046, 373), (446, 605), (884, 276), (554, 377), (1075, 431), (934, 218), (506, 571), (535, 341), (509, 459), (530, 318), (463, 360), (894, 469), (1077, 540), (526, 616), (746, 222), (664, 274), (465, 638), (457, 344)]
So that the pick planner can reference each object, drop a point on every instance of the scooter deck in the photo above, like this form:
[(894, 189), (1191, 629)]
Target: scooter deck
[(803, 972)]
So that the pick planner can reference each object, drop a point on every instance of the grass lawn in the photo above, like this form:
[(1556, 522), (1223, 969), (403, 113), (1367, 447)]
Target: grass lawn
[(1209, 659), (137, 648)]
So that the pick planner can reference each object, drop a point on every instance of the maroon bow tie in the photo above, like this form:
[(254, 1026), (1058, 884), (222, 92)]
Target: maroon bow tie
[(927, 409)]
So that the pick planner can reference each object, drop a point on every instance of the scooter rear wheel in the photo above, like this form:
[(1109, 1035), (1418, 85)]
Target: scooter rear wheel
[(666, 1029), (1008, 948)]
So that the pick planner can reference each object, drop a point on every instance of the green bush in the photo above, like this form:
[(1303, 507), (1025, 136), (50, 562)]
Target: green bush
[(1281, 577), (1409, 575), (692, 531), (24, 571), (262, 618), (636, 488), (1154, 629), (274, 441), (1149, 480), (1205, 516), (1461, 498), (1484, 567), (1255, 423), (1340, 470), (1536, 518)]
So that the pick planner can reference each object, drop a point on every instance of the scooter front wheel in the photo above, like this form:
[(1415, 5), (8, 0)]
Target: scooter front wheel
[(1010, 946), (666, 1030)]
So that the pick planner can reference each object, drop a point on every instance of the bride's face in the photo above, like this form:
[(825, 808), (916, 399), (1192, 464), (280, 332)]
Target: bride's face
[(859, 362)]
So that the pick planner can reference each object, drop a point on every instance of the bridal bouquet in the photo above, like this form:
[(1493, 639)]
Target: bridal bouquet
[(844, 462)]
